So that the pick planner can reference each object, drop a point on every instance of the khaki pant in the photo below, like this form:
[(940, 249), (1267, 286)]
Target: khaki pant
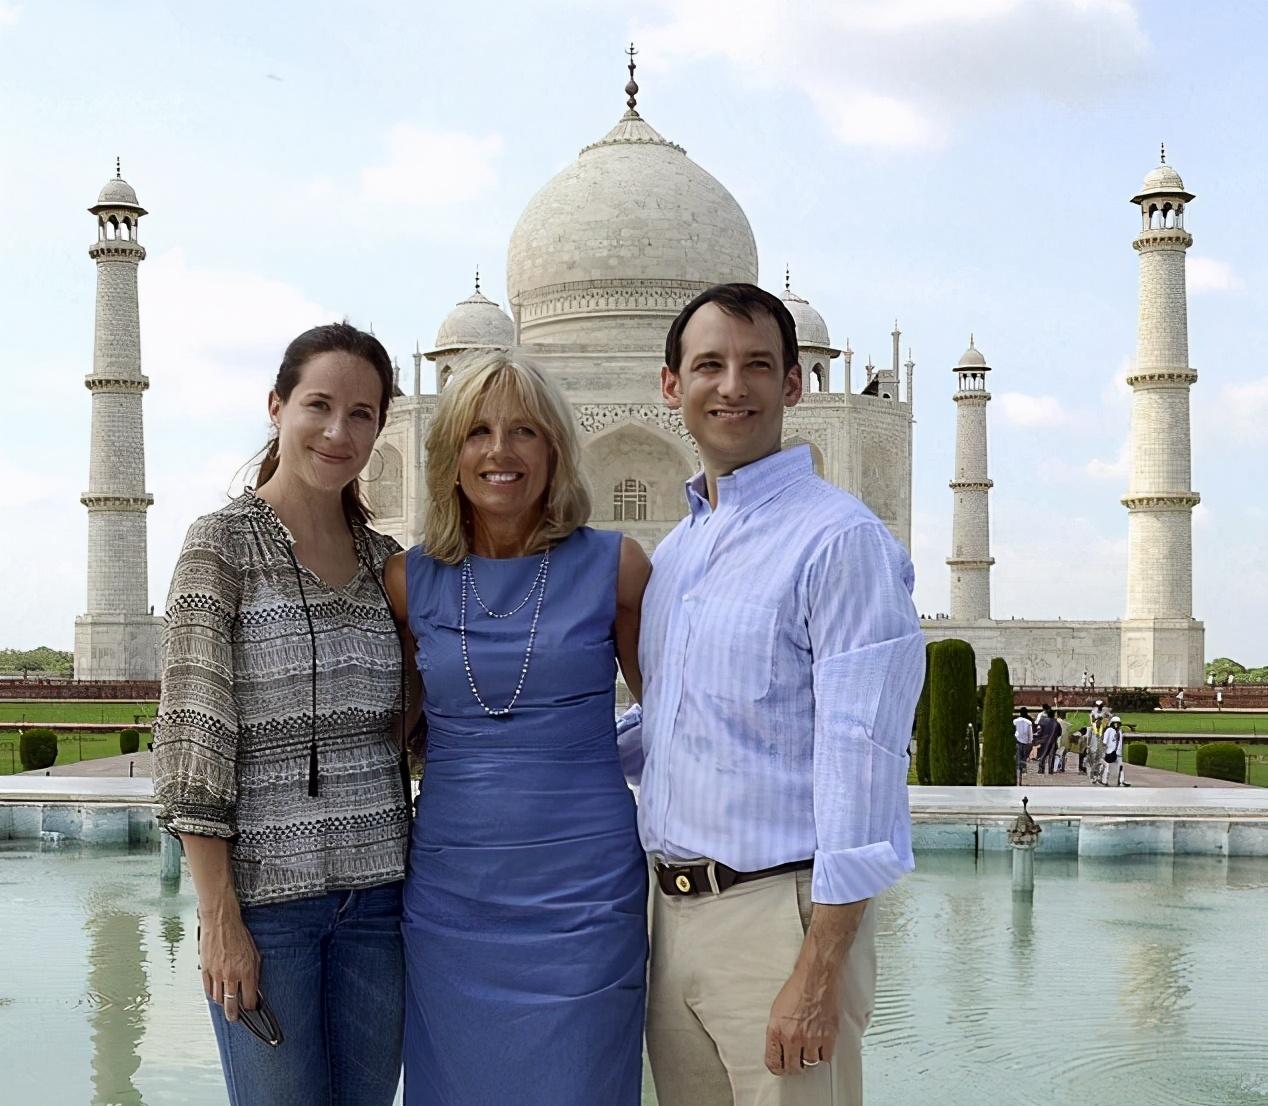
[(718, 961)]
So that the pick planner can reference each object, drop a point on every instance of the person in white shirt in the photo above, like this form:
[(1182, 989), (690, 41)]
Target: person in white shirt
[(1180, 699), (1024, 731), (1219, 698), (1112, 766)]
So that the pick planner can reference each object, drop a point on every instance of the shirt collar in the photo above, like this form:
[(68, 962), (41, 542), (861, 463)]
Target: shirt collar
[(752, 484)]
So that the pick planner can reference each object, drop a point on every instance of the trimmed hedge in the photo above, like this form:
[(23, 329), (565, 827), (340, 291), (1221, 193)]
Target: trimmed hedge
[(952, 711), (999, 754), (37, 749), (1222, 760), (922, 721), (1129, 700), (1137, 753), (129, 741)]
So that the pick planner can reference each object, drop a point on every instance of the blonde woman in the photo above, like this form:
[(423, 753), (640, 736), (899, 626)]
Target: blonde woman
[(525, 930)]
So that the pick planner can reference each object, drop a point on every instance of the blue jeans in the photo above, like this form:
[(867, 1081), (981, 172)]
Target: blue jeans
[(332, 970)]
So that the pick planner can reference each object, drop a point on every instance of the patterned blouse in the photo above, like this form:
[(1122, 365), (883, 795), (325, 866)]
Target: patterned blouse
[(233, 736)]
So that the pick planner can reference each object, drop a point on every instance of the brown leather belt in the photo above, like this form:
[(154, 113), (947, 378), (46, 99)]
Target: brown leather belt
[(712, 876)]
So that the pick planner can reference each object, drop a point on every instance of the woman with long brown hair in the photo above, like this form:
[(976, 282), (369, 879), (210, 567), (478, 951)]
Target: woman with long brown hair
[(276, 754)]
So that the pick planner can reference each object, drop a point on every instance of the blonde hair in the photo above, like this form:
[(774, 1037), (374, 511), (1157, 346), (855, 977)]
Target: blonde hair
[(497, 374)]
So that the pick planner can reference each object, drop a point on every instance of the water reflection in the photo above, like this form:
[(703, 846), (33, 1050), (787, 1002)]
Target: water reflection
[(118, 993)]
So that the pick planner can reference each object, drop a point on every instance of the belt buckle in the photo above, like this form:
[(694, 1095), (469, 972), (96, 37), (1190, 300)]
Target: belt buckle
[(711, 871)]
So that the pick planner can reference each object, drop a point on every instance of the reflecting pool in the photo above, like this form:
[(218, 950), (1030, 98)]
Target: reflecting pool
[(1124, 983)]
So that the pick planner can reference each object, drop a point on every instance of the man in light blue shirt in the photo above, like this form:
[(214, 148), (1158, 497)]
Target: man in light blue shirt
[(782, 658)]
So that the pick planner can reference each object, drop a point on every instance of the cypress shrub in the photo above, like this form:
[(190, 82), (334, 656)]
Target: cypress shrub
[(922, 722), (129, 741), (1137, 753), (952, 710), (999, 755), (37, 749), (1222, 760)]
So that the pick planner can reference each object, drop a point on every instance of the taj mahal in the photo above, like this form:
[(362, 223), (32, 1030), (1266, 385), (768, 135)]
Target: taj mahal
[(599, 263)]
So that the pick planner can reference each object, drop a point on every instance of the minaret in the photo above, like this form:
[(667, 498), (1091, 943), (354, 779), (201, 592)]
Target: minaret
[(1162, 643), (971, 558), (117, 639)]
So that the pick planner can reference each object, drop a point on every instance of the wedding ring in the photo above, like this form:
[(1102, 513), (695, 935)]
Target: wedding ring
[(811, 1063), (235, 995)]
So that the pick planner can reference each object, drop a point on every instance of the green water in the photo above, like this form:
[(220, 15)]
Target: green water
[(1125, 983)]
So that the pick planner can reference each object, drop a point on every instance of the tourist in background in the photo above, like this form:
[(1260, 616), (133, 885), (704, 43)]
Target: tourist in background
[(773, 793), (1179, 698), (1219, 698), (1024, 732), (1048, 730), (1098, 719), (525, 906), (277, 751), (1112, 762)]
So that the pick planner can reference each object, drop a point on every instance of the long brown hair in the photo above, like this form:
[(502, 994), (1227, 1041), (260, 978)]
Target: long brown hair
[(332, 338)]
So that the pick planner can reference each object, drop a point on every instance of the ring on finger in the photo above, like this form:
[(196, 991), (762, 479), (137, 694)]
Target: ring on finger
[(811, 1063)]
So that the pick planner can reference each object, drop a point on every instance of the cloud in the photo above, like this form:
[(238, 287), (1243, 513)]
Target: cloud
[(1206, 274), (903, 73), (1242, 409), (1020, 409), (212, 338), (1117, 469), (426, 168)]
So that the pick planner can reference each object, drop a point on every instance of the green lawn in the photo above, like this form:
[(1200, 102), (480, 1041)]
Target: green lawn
[(54, 711), (1185, 722), (1183, 758), (69, 747)]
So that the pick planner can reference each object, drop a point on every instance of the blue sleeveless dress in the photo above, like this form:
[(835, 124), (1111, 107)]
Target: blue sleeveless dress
[(525, 900)]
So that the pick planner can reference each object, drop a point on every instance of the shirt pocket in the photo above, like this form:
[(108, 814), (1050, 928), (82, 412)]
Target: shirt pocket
[(731, 654)]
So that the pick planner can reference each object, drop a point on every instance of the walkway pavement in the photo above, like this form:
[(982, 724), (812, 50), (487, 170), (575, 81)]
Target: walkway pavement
[(1138, 775), (102, 767)]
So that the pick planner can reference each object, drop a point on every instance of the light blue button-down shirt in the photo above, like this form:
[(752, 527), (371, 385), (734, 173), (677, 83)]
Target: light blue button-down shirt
[(782, 659)]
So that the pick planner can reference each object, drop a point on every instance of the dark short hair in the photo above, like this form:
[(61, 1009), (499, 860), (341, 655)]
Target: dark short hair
[(742, 300)]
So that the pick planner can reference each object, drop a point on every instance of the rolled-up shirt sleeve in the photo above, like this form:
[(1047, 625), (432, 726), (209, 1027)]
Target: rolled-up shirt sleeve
[(868, 657), (196, 728), (629, 744)]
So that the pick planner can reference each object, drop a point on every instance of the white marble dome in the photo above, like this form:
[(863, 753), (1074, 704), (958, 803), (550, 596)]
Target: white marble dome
[(476, 321), (972, 358), (811, 329), (117, 193), (633, 228), (1163, 179)]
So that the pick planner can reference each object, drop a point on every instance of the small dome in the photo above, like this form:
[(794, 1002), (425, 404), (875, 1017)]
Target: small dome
[(116, 192), (972, 358), (475, 322), (1163, 179), (811, 329)]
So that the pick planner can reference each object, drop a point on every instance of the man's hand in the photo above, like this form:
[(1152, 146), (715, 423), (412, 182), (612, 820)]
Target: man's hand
[(804, 1021), (806, 1015)]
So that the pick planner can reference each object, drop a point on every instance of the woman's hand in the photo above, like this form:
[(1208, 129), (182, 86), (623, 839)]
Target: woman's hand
[(229, 960)]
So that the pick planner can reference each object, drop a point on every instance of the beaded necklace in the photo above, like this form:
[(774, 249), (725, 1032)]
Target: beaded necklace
[(538, 586)]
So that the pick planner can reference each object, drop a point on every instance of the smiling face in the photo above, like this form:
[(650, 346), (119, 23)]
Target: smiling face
[(731, 387), (326, 429), (504, 466)]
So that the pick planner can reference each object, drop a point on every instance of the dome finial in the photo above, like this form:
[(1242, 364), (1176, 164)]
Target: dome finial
[(118, 168), (631, 88), (971, 345), (477, 280), (1164, 153), (787, 278)]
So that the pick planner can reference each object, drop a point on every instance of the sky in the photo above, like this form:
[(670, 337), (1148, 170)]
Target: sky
[(960, 165)]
